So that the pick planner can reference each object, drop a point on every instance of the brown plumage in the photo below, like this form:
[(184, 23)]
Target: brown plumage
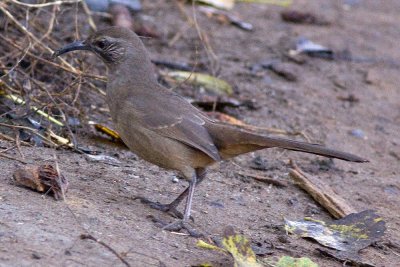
[(161, 126)]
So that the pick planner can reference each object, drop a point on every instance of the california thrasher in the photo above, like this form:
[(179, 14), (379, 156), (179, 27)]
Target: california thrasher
[(163, 128)]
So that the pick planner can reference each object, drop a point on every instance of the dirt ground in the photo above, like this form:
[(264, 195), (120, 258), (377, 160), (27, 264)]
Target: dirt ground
[(38, 231)]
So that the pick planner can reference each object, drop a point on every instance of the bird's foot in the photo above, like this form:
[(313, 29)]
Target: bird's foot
[(168, 208), (183, 225)]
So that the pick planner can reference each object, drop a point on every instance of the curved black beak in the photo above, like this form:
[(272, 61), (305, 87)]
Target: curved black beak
[(77, 45)]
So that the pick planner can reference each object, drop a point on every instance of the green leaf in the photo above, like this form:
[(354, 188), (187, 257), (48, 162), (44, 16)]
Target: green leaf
[(239, 247), (287, 261)]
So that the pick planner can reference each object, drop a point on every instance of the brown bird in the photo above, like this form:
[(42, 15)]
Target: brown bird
[(162, 127)]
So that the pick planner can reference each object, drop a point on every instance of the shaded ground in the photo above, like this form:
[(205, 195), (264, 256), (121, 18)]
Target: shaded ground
[(38, 231)]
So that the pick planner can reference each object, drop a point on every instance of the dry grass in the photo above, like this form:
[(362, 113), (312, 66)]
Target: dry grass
[(32, 85)]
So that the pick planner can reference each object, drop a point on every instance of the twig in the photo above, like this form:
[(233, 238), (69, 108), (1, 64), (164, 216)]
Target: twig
[(205, 41), (76, 22), (268, 180), (89, 16), (51, 143), (78, 90), (9, 138), (10, 157), (188, 77), (179, 34), (321, 193), (18, 62), (7, 149), (18, 144), (282, 3), (89, 236), (51, 24), (13, 158), (202, 36), (60, 140), (19, 101), (60, 2), (37, 41), (58, 179), (73, 71)]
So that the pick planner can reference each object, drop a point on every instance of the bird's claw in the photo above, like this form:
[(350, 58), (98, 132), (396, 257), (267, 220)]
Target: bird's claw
[(168, 208), (182, 224)]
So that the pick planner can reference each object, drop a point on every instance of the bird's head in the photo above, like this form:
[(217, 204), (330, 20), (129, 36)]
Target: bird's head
[(111, 45)]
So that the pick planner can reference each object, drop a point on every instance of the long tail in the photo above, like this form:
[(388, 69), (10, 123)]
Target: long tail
[(310, 148), (232, 141)]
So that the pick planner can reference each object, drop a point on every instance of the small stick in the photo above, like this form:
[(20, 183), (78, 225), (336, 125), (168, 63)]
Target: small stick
[(91, 22), (20, 101), (18, 144), (74, 70), (18, 62), (46, 4), (264, 179), (7, 149), (9, 138), (10, 157), (6, 137), (58, 179), (89, 236), (35, 39), (179, 34), (49, 142), (51, 24), (321, 193)]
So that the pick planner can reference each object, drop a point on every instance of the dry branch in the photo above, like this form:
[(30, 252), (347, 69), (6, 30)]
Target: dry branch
[(322, 193)]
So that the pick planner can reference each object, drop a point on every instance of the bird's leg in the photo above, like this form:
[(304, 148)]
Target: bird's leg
[(184, 223), (189, 199), (172, 207)]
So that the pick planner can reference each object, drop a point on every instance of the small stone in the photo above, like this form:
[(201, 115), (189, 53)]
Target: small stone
[(258, 163), (312, 210), (36, 256), (392, 190), (358, 133), (217, 204), (373, 77), (175, 179), (73, 121), (292, 201)]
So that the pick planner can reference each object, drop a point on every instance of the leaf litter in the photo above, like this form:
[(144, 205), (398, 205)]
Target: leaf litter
[(239, 248), (347, 235)]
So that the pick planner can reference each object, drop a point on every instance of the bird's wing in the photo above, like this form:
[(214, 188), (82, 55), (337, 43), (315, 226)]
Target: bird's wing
[(179, 120)]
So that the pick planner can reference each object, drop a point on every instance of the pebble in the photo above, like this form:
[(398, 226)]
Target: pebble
[(358, 133), (373, 77), (103, 5)]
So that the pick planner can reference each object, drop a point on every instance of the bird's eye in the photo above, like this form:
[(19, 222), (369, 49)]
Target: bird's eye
[(101, 44)]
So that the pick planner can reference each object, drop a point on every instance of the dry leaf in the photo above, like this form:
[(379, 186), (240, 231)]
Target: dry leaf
[(222, 4), (209, 82), (348, 235), (42, 178), (237, 246)]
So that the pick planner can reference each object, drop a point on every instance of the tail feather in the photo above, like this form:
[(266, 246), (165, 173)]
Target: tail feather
[(310, 148), (232, 141)]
